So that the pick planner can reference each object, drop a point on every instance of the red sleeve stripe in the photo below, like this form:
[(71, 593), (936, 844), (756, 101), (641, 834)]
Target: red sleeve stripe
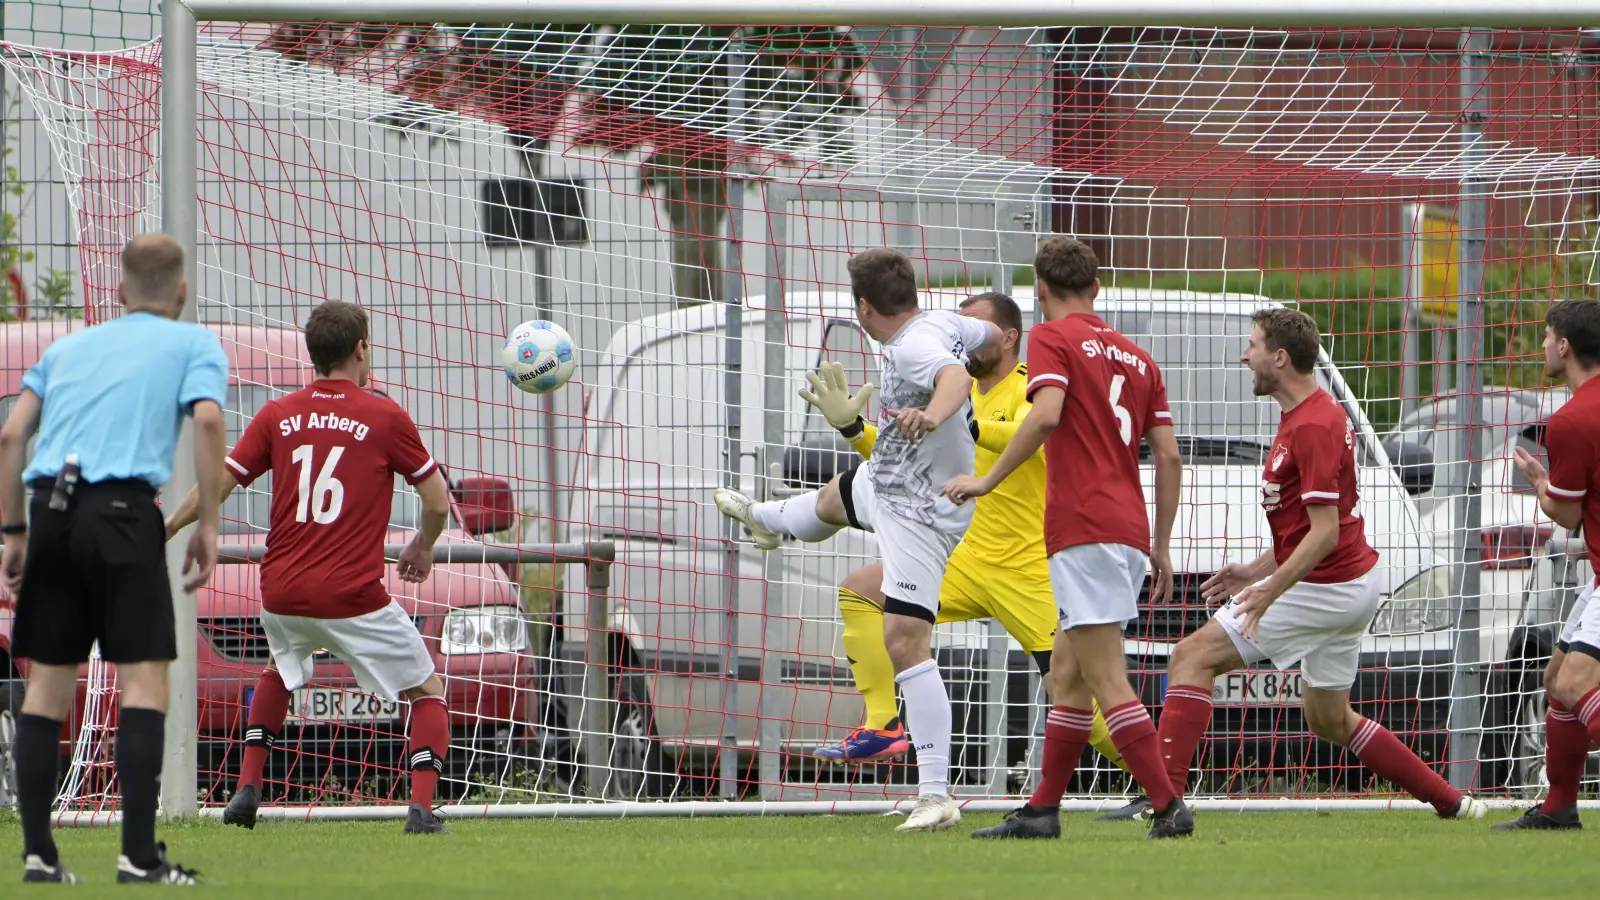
[(1560, 492), (1038, 381), (235, 466), (1320, 495), (428, 467), (1163, 414)]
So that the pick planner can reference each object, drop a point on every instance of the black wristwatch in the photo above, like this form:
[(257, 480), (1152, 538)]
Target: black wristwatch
[(19, 528)]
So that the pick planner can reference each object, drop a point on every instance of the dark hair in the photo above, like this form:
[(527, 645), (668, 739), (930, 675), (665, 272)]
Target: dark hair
[(1578, 322), (152, 267), (1293, 331), (1006, 313), (885, 279), (1067, 267), (332, 333)]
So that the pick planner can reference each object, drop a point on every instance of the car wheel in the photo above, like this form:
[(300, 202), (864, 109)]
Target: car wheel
[(8, 740), (636, 759), (1528, 743)]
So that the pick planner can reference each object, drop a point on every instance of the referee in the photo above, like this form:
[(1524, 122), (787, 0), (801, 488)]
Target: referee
[(88, 563)]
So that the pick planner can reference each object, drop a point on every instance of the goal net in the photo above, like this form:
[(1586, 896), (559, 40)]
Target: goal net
[(683, 199)]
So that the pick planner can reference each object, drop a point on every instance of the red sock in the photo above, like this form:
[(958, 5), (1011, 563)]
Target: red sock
[(1566, 749), (1135, 737), (429, 736), (269, 706), (1185, 716), (1379, 750), (1587, 709), (1066, 733)]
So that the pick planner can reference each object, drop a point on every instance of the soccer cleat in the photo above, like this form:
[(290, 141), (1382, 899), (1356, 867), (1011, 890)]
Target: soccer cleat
[(1174, 821), (1470, 807), (241, 810), (1025, 822), (1537, 820), (36, 871), (736, 506), (163, 872), (933, 812), (421, 820), (868, 745), (1138, 809)]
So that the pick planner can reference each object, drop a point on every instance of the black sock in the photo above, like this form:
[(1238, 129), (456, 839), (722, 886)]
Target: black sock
[(38, 756), (141, 735)]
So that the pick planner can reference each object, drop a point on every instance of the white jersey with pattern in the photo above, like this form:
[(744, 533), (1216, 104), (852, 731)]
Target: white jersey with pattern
[(908, 476)]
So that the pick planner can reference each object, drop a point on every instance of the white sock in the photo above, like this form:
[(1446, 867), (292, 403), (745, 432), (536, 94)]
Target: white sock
[(794, 515), (928, 725)]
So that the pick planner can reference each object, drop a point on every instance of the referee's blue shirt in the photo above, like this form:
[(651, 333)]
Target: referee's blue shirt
[(116, 395)]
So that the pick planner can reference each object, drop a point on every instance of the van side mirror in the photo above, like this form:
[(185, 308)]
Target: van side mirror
[(815, 462), (1413, 463), (485, 504)]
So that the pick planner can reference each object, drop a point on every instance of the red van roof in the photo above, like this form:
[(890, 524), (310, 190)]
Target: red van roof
[(257, 354)]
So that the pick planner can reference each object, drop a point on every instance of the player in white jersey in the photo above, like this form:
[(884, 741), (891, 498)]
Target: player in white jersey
[(924, 441)]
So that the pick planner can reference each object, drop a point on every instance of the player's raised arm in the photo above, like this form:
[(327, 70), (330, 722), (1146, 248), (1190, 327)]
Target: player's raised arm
[(1030, 436), (830, 395), (1561, 490)]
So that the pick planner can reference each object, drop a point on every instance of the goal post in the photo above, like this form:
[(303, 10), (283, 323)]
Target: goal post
[(682, 198)]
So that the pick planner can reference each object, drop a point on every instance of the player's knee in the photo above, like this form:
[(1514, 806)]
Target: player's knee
[(907, 638), (433, 687), (1570, 683), (830, 504), (1331, 721), (1552, 672)]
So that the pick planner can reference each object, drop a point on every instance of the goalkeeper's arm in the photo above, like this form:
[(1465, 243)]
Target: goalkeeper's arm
[(830, 395)]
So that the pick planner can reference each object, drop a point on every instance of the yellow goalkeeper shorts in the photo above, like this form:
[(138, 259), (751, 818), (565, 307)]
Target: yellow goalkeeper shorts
[(1020, 599)]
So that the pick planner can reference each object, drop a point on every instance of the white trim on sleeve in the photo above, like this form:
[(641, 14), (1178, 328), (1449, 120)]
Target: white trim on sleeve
[(424, 470), (1565, 494), (1163, 414), (1049, 376), (1320, 495), (236, 467)]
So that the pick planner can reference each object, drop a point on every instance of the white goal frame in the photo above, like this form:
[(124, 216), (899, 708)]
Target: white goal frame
[(180, 218)]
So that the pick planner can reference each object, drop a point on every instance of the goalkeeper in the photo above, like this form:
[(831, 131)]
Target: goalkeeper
[(998, 571)]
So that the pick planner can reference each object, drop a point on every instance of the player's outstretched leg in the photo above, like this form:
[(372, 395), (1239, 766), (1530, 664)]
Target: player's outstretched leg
[(1329, 714), (811, 517), (881, 736), (269, 706), (428, 740)]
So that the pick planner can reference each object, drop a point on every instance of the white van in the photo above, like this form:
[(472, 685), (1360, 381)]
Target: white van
[(655, 451)]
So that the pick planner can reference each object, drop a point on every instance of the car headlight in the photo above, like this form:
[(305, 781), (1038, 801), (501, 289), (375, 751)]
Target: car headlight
[(483, 629), (1425, 603)]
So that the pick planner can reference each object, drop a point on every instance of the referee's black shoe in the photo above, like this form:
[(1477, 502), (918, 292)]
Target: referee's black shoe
[(421, 820), (1174, 821), (241, 810), (36, 871), (163, 872), (1025, 822), (1537, 820), (1138, 808)]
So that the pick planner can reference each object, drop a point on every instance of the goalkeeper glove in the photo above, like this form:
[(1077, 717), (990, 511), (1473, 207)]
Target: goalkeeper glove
[(830, 394)]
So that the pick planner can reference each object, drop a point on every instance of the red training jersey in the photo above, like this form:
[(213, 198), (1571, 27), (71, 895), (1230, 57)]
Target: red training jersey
[(1091, 460), (1572, 438), (333, 450), (1313, 463)]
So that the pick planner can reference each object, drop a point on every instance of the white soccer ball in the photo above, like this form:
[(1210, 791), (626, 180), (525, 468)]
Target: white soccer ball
[(539, 356)]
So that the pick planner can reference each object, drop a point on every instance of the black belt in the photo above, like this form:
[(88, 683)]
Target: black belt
[(48, 484)]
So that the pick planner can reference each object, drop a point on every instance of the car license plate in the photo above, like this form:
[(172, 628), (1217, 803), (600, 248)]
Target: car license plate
[(1257, 689), (315, 704)]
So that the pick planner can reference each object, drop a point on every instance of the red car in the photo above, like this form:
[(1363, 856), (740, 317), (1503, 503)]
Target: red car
[(338, 739)]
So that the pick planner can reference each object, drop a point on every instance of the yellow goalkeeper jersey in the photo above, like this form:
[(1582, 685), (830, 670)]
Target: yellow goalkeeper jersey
[(1008, 524)]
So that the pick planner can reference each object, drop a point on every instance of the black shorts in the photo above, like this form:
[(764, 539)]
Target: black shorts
[(96, 572)]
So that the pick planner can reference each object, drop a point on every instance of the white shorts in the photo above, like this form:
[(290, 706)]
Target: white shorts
[(1583, 623), (1097, 584), (382, 647), (914, 555), (1318, 626)]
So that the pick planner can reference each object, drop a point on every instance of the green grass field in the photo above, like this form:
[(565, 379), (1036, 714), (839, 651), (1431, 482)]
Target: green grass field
[(1348, 855)]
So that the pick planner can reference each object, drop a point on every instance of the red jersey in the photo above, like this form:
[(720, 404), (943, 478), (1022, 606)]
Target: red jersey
[(1091, 460), (1573, 439), (333, 450), (1313, 463)]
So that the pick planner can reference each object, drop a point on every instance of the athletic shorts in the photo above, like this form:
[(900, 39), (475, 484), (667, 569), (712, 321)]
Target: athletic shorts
[(96, 572), (1318, 626), (1581, 633), (1097, 584), (382, 647), (914, 555), (1020, 599)]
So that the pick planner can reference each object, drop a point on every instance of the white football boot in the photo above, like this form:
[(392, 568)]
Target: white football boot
[(736, 506), (933, 812)]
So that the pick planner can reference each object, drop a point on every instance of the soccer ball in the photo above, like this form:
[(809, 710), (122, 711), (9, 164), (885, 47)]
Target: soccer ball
[(538, 356)]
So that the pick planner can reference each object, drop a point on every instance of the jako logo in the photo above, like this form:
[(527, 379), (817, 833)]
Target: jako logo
[(927, 746), (904, 586)]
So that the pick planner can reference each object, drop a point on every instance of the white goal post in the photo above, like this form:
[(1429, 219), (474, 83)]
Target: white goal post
[(1468, 175)]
